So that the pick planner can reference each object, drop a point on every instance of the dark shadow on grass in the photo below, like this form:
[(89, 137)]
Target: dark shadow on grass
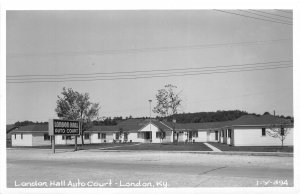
[(179, 146), (225, 147)]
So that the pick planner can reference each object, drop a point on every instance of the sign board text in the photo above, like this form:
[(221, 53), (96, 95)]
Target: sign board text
[(63, 127)]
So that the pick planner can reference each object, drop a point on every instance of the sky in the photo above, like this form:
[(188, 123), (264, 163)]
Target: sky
[(89, 42)]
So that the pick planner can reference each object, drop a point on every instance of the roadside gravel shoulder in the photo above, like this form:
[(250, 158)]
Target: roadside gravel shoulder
[(152, 158)]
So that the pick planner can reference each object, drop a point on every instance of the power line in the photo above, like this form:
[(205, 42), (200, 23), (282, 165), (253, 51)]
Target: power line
[(271, 14), (159, 73), (149, 49), (155, 70), (264, 16), (121, 76), (130, 78), (252, 17)]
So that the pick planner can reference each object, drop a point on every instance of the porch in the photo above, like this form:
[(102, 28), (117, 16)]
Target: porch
[(146, 136)]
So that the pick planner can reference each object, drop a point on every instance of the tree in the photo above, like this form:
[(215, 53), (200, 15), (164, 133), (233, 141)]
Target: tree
[(73, 105), (168, 102), (162, 135), (121, 132), (279, 131)]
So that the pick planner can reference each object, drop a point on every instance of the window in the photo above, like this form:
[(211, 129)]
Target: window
[(117, 135), (282, 131), (86, 136), (190, 134), (263, 131), (195, 133), (225, 133), (157, 134), (15, 136), (125, 136), (103, 135), (63, 137), (139, 135), (68, 137), (99, 137), (160, 134), (46, 137), (222, 133), (21, 135), (229, 133)]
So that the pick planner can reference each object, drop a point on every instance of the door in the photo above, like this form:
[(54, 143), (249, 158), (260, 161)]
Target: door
[(148, 135), (216, 135), (190, 135)]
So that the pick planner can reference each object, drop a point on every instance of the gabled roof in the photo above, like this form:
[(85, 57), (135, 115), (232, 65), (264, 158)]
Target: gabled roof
[(260, 120), (35, 128), (201, 126), (10, 128), (164, 126), (134, 125), (112, 128)]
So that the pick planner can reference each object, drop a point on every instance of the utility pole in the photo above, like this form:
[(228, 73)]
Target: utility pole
[(53, 143), (150, 108), (150, 118), (174, 130)]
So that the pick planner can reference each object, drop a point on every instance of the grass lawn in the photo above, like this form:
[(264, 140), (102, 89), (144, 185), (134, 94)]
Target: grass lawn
[(8, 143), (225, 147), (165, 147), (79, 147), (132, 146)]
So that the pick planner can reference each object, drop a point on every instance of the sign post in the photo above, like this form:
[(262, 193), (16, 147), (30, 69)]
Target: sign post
[(53, 143), (75, 143), (63, 127)]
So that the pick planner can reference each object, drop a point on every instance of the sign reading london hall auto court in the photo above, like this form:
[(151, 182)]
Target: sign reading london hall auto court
[(64, 127)]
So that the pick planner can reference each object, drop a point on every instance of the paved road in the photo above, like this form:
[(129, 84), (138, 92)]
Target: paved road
[(174, 169)]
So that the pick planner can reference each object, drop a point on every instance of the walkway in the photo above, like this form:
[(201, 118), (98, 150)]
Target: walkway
[(212, 147)]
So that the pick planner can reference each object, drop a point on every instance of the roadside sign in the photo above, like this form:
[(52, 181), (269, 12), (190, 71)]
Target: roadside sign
[(63, 127)]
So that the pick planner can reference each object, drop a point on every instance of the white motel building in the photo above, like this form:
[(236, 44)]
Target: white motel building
[(248, 130)]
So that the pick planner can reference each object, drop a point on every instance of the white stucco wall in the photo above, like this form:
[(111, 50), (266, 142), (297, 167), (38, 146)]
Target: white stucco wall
[(168, 138), (38, 140), (223, 139), (202, 136), (182, 137), (253, 137), (211, 136), (229, 140), (133, 137), (109, 137), (25, 141), (94, 138), (150, 127), (60, 141), (153, 129)]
